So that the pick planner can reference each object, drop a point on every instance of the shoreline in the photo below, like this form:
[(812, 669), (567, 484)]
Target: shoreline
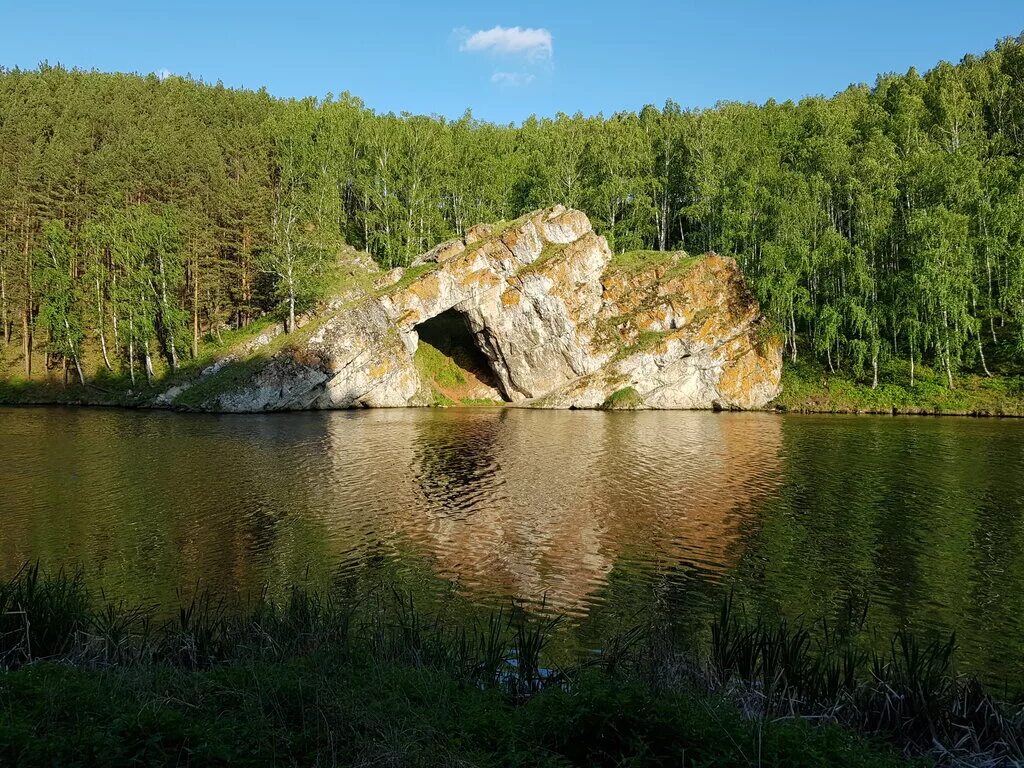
[(778, 410), (807, 389), (782, 411), (336, 667)]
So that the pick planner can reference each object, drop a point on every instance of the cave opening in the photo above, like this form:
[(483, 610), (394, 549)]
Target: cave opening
[(449, 358)]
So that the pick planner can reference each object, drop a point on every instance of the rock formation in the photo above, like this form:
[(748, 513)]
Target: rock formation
[(554, 318)]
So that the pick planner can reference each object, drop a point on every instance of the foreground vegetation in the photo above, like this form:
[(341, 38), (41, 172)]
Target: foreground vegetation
[(332, 677), (142, 215), (327, 710)]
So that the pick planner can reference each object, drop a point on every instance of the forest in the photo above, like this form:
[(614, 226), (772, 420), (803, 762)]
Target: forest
[(141, 216)]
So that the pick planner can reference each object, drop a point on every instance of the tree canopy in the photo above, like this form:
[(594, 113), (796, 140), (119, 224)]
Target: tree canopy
[(139, 214)]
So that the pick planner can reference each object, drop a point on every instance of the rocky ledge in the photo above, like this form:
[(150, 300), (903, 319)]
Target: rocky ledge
[(537, 312)]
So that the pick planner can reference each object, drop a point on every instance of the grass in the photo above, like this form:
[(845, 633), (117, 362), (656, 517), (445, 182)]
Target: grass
[(497, 231), (102, 387), (349, 276), (235, 374), (106, 388), (409, 276), (354, 271), (336, 677), (17, 390), (438, 367), (230, 377), (807, 386), (639, 261), (345, 277), (439, 371), (213, 348), (622, 399), (447, 376), (643, 342), (633, 262), (910, 692), (481, 401), (642, 296), (550, 252), (323, 709)]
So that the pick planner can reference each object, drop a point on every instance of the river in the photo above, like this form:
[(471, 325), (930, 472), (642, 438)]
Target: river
[(601, 516)]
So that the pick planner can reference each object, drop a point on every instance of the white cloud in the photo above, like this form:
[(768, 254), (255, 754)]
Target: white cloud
[(512, 79), (163, 74), (534, 43)]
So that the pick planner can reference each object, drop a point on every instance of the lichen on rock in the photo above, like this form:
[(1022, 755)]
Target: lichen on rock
[(558, 321)]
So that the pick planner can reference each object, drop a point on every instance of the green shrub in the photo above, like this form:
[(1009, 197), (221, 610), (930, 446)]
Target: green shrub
[(622, 399)]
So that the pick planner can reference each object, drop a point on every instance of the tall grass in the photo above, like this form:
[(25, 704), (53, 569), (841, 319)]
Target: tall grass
[(909, 693)]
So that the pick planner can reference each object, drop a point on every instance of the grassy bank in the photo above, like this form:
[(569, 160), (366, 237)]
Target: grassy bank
[(808, 387), (372, 679), (16, 390), (115, 388), (324, 709)]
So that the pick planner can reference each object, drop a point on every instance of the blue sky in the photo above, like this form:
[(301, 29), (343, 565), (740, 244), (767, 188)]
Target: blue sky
[(508, 60)]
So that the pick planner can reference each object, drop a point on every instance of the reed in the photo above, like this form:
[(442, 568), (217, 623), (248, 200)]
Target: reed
[(909, 694)]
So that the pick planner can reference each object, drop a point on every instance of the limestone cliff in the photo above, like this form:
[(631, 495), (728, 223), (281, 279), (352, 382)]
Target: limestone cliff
[(551, 316)]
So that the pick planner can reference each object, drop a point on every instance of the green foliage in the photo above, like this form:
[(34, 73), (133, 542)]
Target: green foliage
[(812, 388), (622, 399), (59, 311), (146, 245), (880, 224), (409, 276), (438, 367), (306, 205)]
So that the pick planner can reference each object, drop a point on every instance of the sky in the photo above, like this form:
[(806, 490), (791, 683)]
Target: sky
[(506, 61)]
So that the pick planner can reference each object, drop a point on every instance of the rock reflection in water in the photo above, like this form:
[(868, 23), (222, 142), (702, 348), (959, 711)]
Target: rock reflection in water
[(507, 502), (541, 505)]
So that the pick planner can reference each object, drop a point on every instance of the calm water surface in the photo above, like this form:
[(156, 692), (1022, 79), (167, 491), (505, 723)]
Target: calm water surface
[(600, 516)]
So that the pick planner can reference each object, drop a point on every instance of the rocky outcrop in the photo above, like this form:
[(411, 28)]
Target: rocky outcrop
[(558, 320)]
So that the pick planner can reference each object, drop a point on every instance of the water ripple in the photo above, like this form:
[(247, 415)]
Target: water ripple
[(590, 514)]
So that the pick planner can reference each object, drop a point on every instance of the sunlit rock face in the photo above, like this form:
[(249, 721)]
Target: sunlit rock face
[(683, 334), (559, 322)]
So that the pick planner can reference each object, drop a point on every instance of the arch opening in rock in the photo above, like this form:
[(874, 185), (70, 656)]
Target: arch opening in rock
[(451, 363)]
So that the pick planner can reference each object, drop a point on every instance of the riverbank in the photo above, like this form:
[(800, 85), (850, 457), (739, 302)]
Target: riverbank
[(339, 678), (808, 387), (23, 392), (807, 390)]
